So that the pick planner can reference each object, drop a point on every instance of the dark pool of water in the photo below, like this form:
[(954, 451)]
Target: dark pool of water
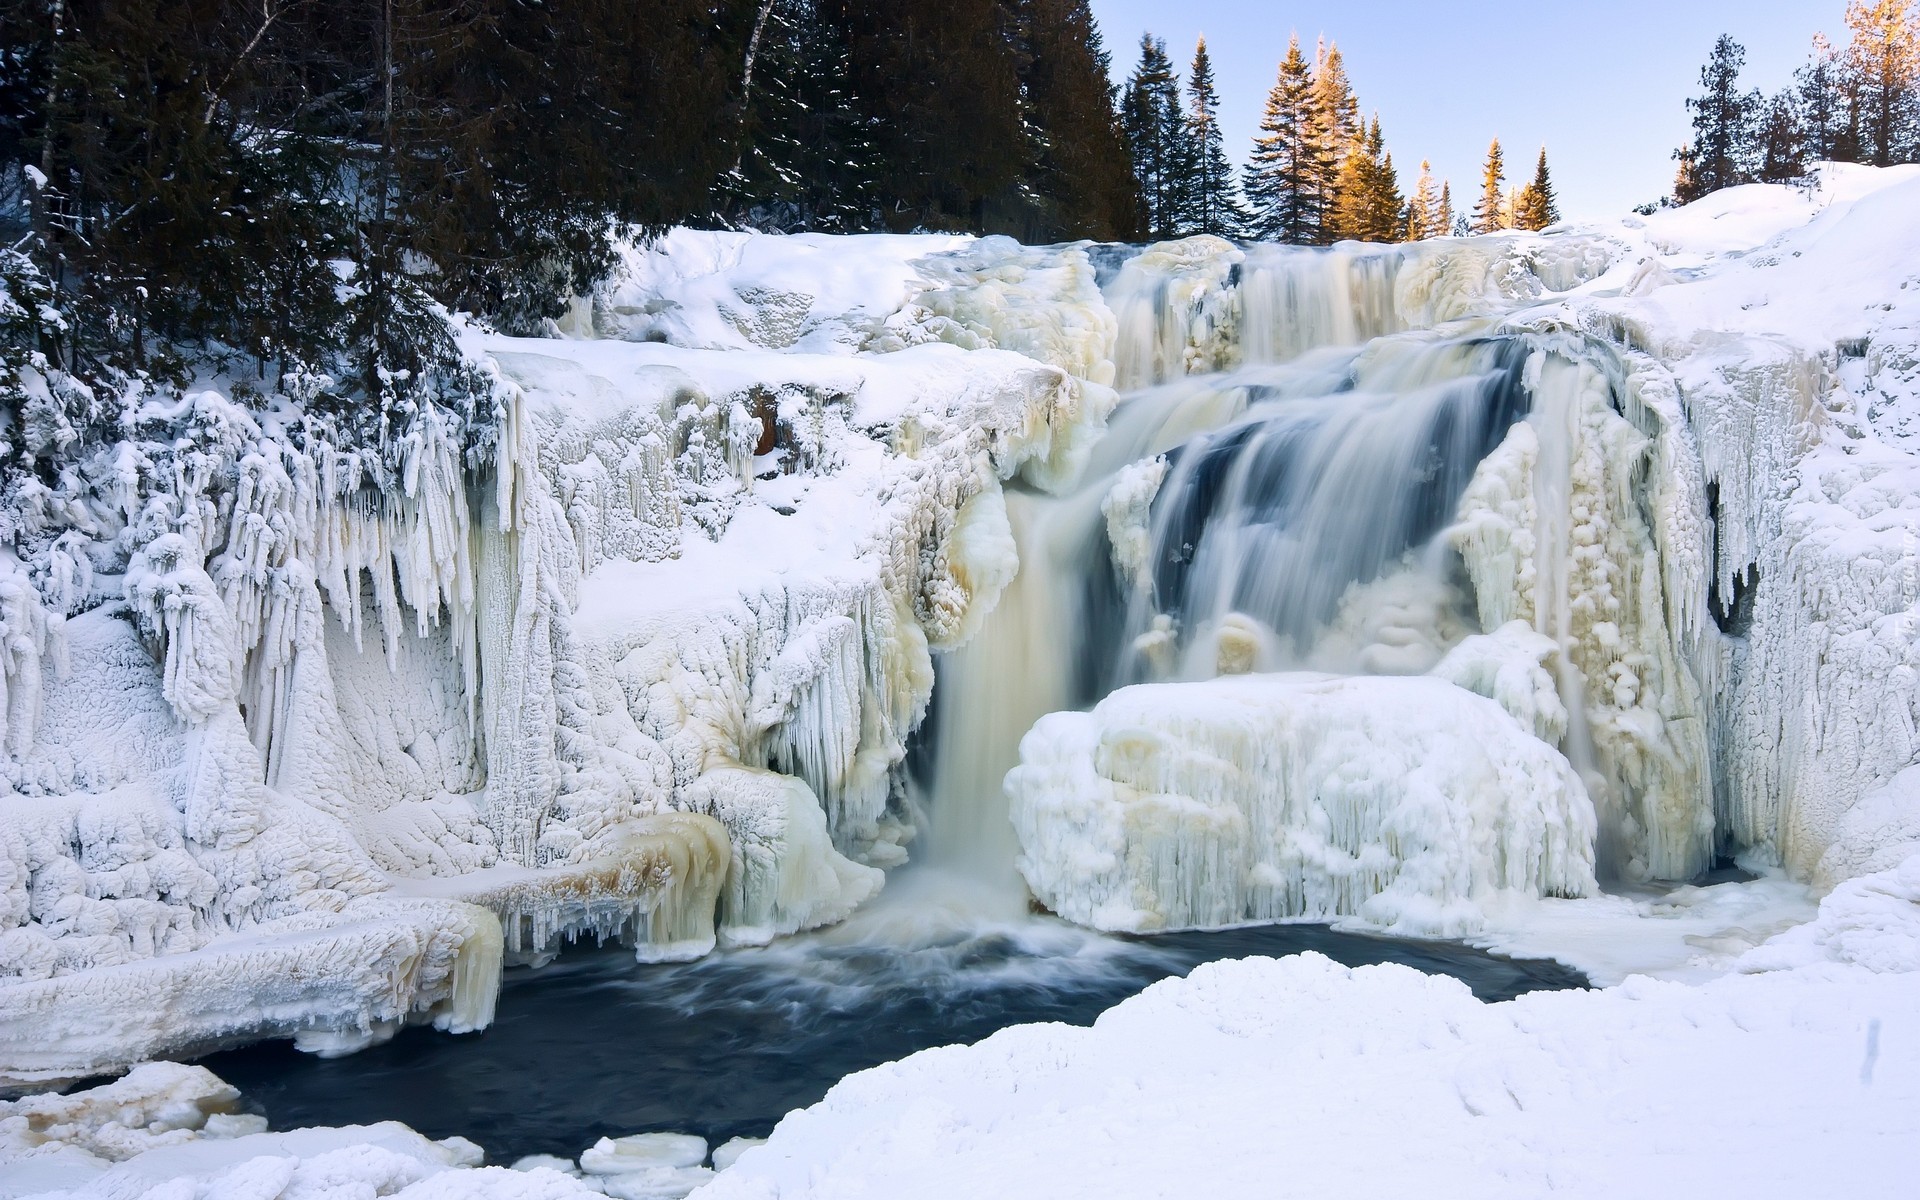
[(596, 1044)]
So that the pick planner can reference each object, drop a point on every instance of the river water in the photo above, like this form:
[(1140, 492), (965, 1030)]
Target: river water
[(597, 1044)]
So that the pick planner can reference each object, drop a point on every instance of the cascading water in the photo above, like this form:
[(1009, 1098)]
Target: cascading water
[(1252, 499), (1279, 491)]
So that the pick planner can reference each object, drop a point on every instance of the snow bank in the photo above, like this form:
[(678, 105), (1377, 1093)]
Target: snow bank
[(172, 1132), (1253, 1071), (1407, 802)]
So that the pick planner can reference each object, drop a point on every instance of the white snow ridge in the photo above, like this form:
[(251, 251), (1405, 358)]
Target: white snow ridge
[(1492, 588)]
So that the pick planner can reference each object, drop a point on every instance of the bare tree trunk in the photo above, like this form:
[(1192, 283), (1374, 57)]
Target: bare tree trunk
[(753, 52)]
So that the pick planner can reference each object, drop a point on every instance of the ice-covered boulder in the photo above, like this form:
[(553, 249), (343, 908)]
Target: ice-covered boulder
[(1402, 802)]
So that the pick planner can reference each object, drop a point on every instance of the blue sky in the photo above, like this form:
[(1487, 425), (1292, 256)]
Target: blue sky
[(1603, 85)]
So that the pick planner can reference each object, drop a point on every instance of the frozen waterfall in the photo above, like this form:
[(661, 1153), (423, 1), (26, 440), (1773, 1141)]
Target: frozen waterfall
[(1307, 474)]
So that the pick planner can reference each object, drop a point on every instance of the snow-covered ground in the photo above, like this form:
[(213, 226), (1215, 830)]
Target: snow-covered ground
[(1797, 1076), (283, 761)]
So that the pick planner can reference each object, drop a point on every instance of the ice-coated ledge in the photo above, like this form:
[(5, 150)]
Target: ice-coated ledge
[(332, 981)]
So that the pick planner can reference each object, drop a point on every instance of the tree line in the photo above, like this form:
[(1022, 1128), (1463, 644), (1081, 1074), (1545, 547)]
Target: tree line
[(1319, 172), (303, 189), (1856, 103), (274, 187)]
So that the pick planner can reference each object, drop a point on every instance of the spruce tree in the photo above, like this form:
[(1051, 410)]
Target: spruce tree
[(1884, 61), (1824, 98), (1367, 202), (1780, 142), (1445, 223), (1353, 189), (940, 90), (1082, 178), (807, 158), (1722, 126), (1537, 206), (1214, 202), (1423, 208), (1340, 130), (1157, 137), (1490, 214), (1385, 203), (1283, 179)]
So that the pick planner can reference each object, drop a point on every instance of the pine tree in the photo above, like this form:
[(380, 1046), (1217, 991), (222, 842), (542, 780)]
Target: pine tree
[(1157, 137), (1884, 60), (1685, 190), (1537, 206), (1283, 179), (1445, 223), (1214, 202), (807, 158), (1722, 126), (940, 89), (1780, 142), (1490, 215)]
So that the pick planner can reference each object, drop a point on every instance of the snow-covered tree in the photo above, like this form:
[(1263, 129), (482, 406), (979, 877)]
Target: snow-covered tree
[(1826, 99), (1779, 154)]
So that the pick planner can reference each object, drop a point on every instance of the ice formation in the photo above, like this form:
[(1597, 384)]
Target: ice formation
[(638, 653), (1683, 524), (1407, 802), (306, 757)]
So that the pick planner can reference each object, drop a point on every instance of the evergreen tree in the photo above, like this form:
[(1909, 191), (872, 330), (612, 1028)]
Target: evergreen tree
[(1780, 142), (1491, 214), (1722, 126), (1684, 189), (1082, 178), (1884, 61), (940, 89), (1284, 176), (1157, 137), (1445, 223), (1367, 201), (1537, 206), (1353, 189), (1341, 131), (1825, 99), (1214, 202), (807, 156), (1423, 207)]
